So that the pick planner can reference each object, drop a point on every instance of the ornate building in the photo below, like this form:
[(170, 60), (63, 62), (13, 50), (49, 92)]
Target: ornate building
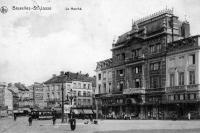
[(139, 67), (182, 78)]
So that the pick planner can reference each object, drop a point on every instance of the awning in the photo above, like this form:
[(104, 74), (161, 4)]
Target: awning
[(78, 111), (87, 111)]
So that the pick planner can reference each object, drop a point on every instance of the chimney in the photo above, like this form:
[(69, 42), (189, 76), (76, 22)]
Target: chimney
[(67, 73), (185, 29), (62, 73)]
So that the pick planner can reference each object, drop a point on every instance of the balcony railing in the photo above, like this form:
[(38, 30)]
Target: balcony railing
[(134, 91), (193, 87)]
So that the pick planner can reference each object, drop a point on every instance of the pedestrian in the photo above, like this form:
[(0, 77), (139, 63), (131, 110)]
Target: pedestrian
[(30, 120), (15, 117), (72, 121), (54, 119), (189, 115)]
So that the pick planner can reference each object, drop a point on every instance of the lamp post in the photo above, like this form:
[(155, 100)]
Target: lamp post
[(62, 89)]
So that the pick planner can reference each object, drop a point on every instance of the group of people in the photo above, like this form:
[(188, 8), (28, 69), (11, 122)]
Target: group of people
[(72, 120)]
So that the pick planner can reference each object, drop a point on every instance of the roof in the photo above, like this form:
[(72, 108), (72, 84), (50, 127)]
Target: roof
[(21, 87), (68, 77)]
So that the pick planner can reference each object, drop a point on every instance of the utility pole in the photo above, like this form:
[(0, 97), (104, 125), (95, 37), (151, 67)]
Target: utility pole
[(62, 89)]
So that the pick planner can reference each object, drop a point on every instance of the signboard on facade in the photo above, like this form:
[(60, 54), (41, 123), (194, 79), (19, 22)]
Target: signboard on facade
[(134, 91)]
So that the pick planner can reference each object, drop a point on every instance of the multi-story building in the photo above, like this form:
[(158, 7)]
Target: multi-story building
[(36, 93), (139, 66), (77, 89), (182, 77), (6, 97), (103, 82)]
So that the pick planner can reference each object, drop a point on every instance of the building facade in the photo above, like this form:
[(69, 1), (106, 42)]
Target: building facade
[(77, 89), (139, 67), (182, 78), (103, 83), (6, 97)]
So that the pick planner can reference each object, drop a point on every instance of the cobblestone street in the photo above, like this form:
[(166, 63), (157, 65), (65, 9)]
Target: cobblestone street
[(108, 126)]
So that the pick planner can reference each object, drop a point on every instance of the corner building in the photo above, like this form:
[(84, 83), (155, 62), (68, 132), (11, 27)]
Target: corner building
[(139, 67)]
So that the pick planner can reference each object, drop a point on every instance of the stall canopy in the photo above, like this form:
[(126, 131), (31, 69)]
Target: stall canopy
[(87, 111)]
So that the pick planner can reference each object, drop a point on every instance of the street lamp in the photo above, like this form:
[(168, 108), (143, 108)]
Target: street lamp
[(62, 89)]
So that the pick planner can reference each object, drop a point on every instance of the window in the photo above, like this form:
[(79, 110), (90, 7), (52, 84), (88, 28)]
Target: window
[(79, 93), (181, 78), (109, 89), (138, 69), (191, 59), (158, 47), (154, 66), (99, 76), (192, 96), (123, 56), (88, 101), (84, 86), (172, 79), (104, 75), (171, 97), (177, 97), (137, 83), (152, 49), (155, 82), (120, 72), (121, 86), (118, 56), (88, 86), (74, 85), (79, 85), (99, 86), (104, 86), (110, 75), (84, 93), (191, 77), (181, 97), (137, 53)]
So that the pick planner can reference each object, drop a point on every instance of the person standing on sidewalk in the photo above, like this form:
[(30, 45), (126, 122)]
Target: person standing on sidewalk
[(15, 117), (30, 119), (189, 115)]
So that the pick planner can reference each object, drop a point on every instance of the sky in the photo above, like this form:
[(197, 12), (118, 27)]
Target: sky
[(35, 44)]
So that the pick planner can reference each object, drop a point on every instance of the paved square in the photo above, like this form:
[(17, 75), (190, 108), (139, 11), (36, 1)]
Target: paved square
[(108, 126)]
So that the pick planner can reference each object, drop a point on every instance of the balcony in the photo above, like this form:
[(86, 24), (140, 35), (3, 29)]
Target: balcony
[(134, 91), (193, 87)]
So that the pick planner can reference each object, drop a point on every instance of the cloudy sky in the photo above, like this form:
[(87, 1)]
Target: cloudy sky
[(36, 44)]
